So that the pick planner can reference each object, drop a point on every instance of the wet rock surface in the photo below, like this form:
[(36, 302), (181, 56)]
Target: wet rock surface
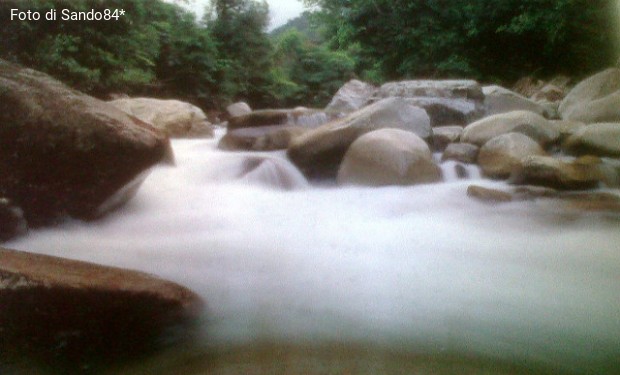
[(66, 153), (73, 314)]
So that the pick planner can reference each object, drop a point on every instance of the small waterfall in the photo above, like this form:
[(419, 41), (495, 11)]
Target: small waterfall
[(273, 172), (453, 170)]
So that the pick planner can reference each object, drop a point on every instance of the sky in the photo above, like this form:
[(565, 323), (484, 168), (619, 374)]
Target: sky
[(281, 10)]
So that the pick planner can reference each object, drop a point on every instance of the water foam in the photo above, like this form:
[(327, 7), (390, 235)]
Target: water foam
[(423, 268)]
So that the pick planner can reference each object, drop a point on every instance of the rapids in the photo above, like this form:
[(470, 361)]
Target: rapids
[(421, 269)]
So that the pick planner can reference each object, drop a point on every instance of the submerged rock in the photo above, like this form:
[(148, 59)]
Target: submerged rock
[(175, 118), (319, 152), (499, 156), (388, 157), (78, 313), (488, 195), (63, 152)]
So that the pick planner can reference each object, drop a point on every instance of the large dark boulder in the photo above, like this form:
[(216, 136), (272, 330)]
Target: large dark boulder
[(76, 314), (66, 153)]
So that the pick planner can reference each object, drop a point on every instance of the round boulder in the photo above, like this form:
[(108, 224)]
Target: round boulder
[(319, 152), (388, 157), (499, 156), (525, 122), (596, 139), (595, 99)]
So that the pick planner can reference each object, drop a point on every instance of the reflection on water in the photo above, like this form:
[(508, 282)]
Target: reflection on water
[(420, 270)]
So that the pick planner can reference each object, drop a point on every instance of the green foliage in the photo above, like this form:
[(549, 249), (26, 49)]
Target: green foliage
[(314, 72), (484, 39)]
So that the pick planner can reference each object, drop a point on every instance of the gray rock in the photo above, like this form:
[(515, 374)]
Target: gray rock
[(501, 100), (528, 123), (319, 152), (445, 135), (264, 138), (352, 96), (499, 156), (64, 152), (388, 157), (446, 102), (463, 152), (596, 139), (272, 117), (238, 109), (595, 99)]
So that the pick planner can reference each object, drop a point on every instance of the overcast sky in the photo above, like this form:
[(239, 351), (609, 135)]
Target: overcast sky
[(281, 10)]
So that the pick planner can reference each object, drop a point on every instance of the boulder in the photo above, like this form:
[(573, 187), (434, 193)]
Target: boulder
[(319, 152), (488, 195), (596, 99), (463, 89), (583, 173), (528, 123), (463, 152), (499, 156), (271, 117), (63, 152), (566, 128), (12, 221), (175, 118), (352, 96), (596, 139), (79, 313), (388, 157), (238, 109), (498, 99), (265, 138), (446, 102), (445, 111), (445, 135)]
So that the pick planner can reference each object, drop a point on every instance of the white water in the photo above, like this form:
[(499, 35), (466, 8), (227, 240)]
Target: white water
[(423, 268)]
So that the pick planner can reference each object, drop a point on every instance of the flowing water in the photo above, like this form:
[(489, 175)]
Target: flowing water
[(421, 269)]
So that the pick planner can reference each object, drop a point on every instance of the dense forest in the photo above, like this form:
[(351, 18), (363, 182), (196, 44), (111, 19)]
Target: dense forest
[(160, 49)]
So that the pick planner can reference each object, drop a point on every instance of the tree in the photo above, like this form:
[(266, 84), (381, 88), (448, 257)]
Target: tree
[(239, 27), (486, 39)]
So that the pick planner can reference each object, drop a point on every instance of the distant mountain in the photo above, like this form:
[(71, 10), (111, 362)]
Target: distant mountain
[(302, 24)]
